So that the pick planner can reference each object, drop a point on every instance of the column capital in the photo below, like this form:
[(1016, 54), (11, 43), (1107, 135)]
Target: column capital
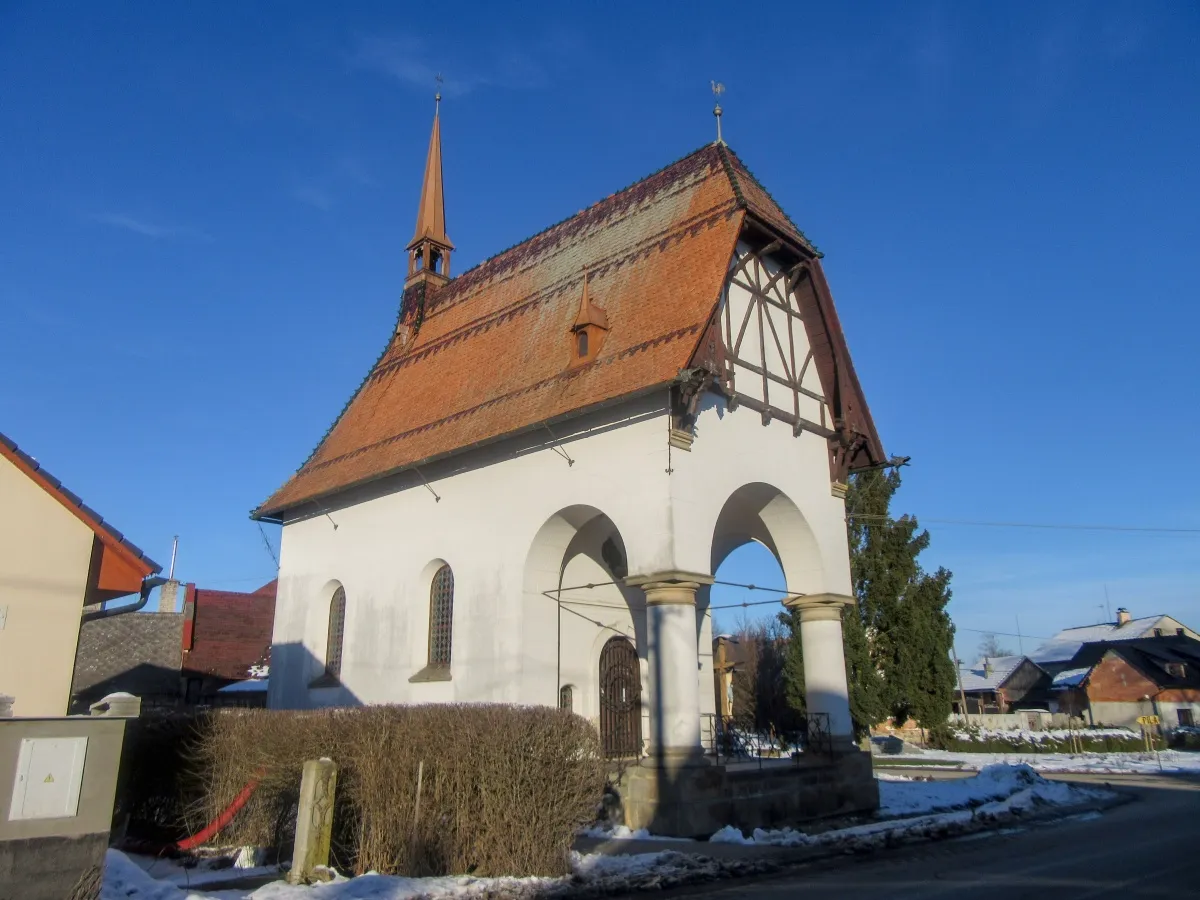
[(672, 577), (669, 587), (819, 607)]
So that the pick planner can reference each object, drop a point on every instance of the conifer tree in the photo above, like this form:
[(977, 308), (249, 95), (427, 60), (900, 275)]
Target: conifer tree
[(898, 636)]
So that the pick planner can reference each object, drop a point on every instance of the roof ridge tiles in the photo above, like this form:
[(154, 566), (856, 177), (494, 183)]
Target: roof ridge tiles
[(545, 293), (549, 228), (665, 238), (729, 151)]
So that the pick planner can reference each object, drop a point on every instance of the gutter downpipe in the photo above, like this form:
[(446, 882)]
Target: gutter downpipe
[(148, 585)]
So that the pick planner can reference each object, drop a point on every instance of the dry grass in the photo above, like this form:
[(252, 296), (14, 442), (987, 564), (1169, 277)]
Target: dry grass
[(503, 792)]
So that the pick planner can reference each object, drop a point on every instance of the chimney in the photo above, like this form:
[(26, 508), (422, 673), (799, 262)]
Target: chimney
[(1123, 616), (168, 597)]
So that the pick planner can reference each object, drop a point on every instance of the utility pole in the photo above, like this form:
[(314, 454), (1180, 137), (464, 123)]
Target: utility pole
[(962, 694)]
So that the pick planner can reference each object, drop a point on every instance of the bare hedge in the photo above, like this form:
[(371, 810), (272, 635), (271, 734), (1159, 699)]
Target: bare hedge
[(504, 788)]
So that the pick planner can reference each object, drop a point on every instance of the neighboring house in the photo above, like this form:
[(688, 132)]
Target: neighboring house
[(136, 653), (1115, 682), (1057, 653), (172, 659), (56, 557), (528, 496), (999, 684), (226, 640)]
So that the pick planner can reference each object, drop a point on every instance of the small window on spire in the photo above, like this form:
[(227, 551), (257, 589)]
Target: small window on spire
[(581, 342)]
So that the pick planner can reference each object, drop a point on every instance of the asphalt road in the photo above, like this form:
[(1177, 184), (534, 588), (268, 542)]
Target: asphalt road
[(1149, 847)]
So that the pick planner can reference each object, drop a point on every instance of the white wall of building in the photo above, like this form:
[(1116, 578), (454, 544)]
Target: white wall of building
[(516, 520)]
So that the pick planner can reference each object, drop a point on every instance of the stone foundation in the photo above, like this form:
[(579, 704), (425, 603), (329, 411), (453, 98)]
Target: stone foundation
[(696, 800), (51, 868)]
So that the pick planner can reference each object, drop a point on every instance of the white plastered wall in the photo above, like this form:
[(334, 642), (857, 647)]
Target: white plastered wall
[(511, 523)]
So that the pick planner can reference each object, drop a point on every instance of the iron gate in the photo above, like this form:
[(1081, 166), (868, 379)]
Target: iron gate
[(620, 699)]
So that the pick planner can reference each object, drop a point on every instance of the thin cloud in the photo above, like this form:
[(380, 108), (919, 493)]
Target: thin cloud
[(314, 196), (146, 228), (404, 58)]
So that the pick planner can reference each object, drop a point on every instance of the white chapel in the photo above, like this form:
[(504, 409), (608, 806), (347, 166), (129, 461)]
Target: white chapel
[(528, 496)]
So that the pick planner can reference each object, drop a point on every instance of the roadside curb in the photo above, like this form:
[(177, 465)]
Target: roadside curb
[(791, 856)]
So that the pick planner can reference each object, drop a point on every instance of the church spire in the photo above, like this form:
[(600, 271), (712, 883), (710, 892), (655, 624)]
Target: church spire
[(429, 252)]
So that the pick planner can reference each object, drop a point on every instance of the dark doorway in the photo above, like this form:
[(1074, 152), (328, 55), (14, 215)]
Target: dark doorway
[(620, 699)]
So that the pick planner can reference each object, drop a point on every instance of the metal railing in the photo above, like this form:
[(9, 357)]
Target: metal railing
[(725, 741)]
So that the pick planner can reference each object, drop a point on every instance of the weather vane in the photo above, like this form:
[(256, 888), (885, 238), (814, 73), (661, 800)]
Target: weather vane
[(437, 98), (718, 89)]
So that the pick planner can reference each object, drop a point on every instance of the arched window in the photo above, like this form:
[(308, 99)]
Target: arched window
[(441, 617), (566, 698), (333, 641)]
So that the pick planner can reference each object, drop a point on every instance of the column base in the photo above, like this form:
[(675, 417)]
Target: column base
[(696, 801), (672, 758)]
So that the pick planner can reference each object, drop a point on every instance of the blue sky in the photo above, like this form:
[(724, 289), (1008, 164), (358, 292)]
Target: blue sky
[(205, 208)]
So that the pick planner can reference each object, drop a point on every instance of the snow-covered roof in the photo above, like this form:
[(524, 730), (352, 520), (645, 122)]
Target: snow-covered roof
[(1064, 645), (250, 684), (990, 672), (1069, 678)]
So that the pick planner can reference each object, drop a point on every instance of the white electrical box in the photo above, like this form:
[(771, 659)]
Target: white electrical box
[(49, 776)]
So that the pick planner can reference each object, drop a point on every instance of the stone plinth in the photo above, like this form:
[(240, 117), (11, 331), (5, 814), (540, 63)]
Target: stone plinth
[(696, 801)]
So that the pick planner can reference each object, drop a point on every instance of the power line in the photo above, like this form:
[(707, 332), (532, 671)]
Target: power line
[(888, 520), (1038, 637)]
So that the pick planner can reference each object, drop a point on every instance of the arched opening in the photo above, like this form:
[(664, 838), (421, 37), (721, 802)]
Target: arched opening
[(575, 595), (441, 618), (335, 633), (620, 699), (765, 551), (749, 678)]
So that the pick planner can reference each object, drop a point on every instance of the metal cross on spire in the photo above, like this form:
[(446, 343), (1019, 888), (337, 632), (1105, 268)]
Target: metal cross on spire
[(718, 89)]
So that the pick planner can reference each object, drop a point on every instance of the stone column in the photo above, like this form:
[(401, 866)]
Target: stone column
[(825, 660), (673, 658), (314, 820)]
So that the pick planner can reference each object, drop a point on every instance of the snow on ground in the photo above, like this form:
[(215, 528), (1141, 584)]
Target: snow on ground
[(594, 873), (624, 833), (996, 782), (1058, 735), (1172, 761), (207, 871), (937, 806), (909, 809)]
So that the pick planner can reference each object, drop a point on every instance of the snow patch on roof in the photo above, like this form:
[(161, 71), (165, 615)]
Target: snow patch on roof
[(990, 672), (1064, 645), (1070, 678)]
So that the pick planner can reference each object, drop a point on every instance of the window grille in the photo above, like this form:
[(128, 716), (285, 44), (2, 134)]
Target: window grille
[(441, 617), (337, 624), (566, 698)]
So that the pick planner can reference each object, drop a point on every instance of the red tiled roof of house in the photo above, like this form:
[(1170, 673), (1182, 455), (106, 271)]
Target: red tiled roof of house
[(493, 354), (230, 631)]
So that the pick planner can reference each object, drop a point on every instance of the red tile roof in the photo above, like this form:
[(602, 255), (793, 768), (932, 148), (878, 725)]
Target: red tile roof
[(230, 631), (492, 354)]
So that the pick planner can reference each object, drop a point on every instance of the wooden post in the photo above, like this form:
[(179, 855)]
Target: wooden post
[(314, 819)]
